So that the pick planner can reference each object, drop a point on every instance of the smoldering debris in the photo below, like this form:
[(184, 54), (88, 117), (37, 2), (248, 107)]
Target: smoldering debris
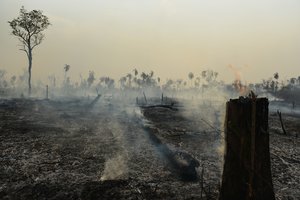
[(172, 134), (51, 147), (181, 163)]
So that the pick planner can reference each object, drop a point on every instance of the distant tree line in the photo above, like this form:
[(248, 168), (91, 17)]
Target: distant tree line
[(139, 81)]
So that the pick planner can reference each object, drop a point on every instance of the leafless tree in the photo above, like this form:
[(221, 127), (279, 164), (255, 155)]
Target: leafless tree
[(91, 78)]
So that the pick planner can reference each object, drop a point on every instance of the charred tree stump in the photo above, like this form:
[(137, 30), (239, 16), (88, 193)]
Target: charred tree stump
[(281, 123), (247, 170)]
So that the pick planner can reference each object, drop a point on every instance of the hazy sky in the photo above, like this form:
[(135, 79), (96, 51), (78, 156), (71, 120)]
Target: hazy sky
[(170, 37)]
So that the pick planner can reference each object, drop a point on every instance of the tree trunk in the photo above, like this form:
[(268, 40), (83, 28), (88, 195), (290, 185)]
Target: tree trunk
[(29, 70), (247, 171)]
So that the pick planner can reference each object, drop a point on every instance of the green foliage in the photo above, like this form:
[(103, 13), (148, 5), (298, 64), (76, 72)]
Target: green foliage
[(28, 27)]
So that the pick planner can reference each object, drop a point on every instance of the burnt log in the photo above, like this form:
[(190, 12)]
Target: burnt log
[(181, 163), (247, 171)]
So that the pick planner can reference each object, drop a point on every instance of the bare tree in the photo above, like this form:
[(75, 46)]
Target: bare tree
[(52, 80), (28, 27), (91, 78), (129, 78)]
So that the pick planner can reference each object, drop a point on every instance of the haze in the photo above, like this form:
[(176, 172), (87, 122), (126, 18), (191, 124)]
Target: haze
[(172, 38)]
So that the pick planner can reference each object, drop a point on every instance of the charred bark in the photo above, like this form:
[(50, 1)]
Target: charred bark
[(247, 172)]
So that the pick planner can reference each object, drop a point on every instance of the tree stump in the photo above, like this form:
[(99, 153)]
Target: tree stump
[(247, 168)]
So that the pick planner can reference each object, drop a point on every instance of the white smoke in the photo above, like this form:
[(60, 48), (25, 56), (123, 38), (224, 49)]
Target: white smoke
[(115, 168)]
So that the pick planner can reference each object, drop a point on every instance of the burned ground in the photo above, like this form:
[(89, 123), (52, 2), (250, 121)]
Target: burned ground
[(63, 150)]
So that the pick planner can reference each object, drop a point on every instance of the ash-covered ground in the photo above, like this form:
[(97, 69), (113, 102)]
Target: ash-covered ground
[(67, 149)]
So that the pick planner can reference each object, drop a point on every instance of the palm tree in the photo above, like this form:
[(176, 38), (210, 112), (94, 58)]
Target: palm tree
[(66, 69), (135, 72)]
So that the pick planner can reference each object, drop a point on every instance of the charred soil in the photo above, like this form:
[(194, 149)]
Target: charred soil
[(65, 150)]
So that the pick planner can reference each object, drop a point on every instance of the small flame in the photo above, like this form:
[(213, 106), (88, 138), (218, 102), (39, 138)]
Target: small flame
[(238, 85), (237, 72)]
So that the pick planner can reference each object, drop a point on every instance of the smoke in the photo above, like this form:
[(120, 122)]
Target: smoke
[(206, 114), (115, 168), (129, 138)]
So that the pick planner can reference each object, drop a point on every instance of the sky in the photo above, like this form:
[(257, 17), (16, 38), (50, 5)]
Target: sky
[(170, 37)]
